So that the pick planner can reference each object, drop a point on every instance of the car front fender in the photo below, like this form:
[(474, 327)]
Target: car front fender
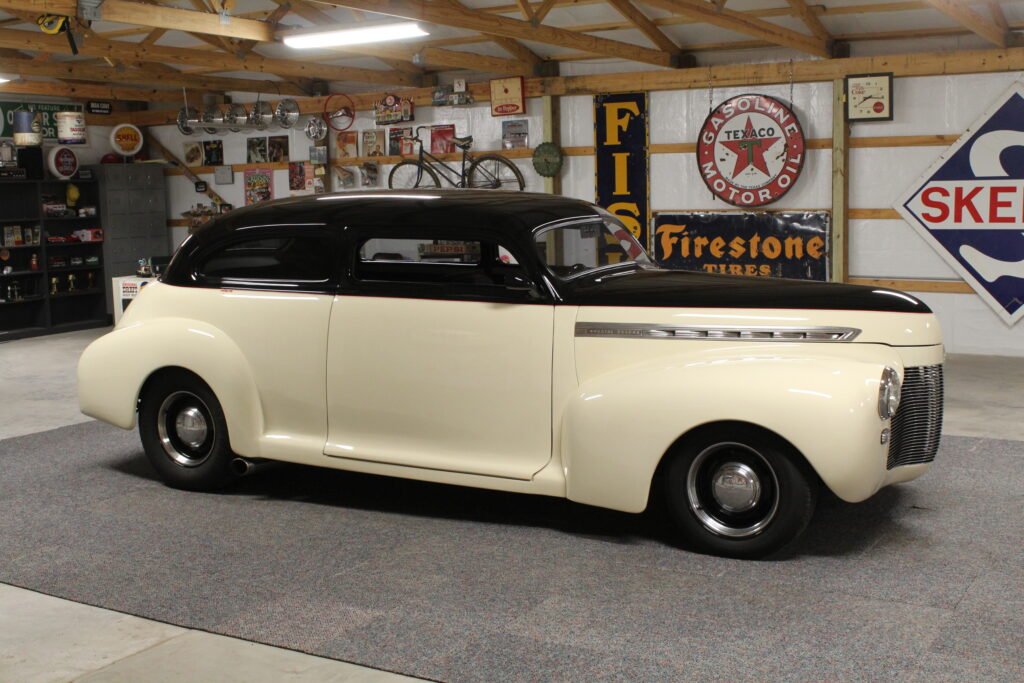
[(821, 400), (114, 368)]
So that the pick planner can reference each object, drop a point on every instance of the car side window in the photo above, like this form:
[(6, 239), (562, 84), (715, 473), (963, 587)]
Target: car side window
[(298, 258), (461, 268)]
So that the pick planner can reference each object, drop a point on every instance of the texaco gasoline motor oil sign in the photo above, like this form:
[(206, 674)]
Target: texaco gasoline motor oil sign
[(969, 206), (750, 150)]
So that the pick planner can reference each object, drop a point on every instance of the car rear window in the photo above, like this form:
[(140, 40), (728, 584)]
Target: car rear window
[(300, 258)]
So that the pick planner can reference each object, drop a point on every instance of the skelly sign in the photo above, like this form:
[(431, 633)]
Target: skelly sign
[(621, 172), (969, 206), (790, 244), (751, 150)]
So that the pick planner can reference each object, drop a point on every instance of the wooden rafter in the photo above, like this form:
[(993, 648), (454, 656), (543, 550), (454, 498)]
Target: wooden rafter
[(526, 9), (967, 17), (744, 23), (642, 22), (474, 20), (74, 70), (94, 46), (509, 45), (810, 19), (542, 10)]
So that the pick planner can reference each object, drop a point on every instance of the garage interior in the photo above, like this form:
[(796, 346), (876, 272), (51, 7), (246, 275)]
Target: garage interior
[(300, 573)]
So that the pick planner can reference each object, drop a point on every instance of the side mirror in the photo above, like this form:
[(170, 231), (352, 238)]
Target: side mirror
[(515, 282)]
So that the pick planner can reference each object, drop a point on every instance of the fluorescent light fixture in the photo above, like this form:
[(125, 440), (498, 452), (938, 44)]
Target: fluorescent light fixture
[(354, 36), (4, 80)]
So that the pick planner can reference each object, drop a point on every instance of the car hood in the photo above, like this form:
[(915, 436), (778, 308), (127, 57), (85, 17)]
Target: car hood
[(682, 289)]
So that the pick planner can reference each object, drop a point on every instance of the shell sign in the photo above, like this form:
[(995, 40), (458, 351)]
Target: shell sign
[(126, 139)]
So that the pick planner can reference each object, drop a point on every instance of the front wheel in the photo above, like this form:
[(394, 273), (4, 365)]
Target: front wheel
[(495, 172), (409, 174), (184, 433), (739, 492)]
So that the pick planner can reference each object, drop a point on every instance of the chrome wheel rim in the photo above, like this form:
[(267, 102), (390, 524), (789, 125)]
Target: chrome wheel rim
[(732, 490), (186, 429)]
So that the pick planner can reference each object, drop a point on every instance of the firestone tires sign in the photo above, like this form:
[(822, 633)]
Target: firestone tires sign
[(969, 206), (751, 150)]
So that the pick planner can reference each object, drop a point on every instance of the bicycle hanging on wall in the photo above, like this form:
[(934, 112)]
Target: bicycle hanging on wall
[(488, 171)]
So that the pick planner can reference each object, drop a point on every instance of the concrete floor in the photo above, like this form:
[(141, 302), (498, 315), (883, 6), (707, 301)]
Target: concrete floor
[(47, 639)]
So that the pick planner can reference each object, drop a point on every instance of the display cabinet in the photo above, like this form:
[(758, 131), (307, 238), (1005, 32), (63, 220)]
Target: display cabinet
[(51, 280)]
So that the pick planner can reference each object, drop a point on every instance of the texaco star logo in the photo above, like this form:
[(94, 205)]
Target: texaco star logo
[(750, 150)]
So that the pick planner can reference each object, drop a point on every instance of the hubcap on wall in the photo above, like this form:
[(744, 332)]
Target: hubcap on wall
[(732, 490), (185, 428)]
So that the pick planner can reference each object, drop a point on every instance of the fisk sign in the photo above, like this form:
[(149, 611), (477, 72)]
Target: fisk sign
[(969, 206)]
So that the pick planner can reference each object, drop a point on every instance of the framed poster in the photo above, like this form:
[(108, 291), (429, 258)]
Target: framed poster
[(259, 185), (786, 244), (507, 96)]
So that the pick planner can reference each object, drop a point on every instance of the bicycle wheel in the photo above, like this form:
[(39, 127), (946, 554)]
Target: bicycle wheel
[(409, 174), (495, 172)]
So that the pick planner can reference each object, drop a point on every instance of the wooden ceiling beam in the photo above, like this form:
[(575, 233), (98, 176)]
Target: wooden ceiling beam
[(473, 20), (74, 70), (967, 17), (160, 16), (644, 24), (810, 19), (94, 46), (89, 91), (746, 24)]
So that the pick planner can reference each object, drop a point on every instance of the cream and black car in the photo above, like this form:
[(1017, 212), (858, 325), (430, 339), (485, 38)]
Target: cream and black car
[(524, 343)]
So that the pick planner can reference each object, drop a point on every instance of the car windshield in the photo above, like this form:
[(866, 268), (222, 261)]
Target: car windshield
[(576, 248)]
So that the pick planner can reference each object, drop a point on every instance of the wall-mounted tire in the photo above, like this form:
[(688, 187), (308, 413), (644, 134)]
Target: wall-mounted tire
[(184, 432), (738, 491)]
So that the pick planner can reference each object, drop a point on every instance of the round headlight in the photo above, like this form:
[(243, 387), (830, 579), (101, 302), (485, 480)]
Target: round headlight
[(888, 394)]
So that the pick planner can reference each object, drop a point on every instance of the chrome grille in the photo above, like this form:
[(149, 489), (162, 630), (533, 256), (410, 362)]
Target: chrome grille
[(917, 424)]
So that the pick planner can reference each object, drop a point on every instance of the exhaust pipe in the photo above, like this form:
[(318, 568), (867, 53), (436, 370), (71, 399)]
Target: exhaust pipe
[(245, 466)]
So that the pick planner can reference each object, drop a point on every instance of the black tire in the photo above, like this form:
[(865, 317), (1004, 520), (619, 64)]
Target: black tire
[(408, 175), (762, 502), (494, 172), (197, 466)]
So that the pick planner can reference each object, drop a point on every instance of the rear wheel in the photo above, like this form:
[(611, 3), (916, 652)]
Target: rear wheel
[(495, 172), (408, 175), (184, 433), (739, 492)]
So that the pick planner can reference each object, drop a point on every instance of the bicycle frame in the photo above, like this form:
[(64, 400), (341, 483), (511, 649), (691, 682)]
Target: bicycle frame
[(445, 169)]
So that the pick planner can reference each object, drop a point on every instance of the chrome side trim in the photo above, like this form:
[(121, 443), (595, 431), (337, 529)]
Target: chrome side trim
[(717, 333)]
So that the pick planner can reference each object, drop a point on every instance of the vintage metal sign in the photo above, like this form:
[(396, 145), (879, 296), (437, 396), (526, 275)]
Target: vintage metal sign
[(778, 244), (621, 170), (47, 109), (969, 206), (751, 150)]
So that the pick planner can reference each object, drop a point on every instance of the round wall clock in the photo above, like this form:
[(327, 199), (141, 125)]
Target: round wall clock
[(547, 159), (750, 150)]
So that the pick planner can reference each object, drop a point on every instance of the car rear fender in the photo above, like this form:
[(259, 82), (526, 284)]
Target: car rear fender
[(114, 368)]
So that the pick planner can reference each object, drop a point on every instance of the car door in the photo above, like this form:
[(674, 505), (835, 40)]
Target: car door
[(438, 357), (270, 291)]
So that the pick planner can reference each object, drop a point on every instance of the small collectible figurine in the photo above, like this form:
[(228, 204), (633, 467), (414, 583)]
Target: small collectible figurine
[(91, 280), (33, 263), (17, 291), (71, 195), (53, 285), (71, 282)]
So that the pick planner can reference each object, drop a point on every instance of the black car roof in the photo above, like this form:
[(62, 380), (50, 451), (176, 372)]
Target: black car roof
[(512, 211)]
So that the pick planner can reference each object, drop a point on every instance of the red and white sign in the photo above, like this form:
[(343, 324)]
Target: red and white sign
[(63, 162), (751, 150)]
